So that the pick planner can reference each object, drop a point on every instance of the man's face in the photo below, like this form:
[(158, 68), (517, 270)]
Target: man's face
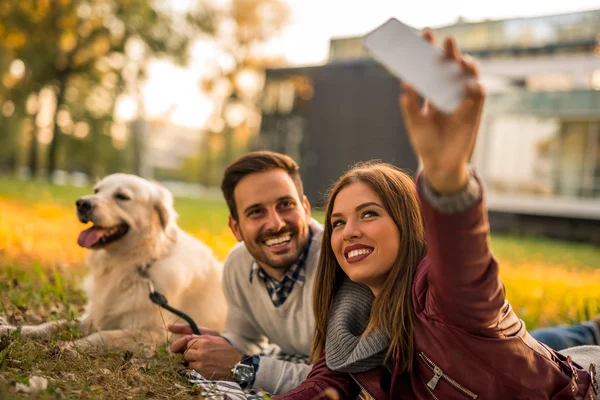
[(272, 220)]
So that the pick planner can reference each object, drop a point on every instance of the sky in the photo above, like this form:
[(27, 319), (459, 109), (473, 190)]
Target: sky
[(305, 41)]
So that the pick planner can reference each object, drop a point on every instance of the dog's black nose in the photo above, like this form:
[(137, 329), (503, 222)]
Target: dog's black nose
[(83, 206)]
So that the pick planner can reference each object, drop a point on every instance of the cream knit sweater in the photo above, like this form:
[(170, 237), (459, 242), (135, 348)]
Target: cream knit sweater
[(253, 321)]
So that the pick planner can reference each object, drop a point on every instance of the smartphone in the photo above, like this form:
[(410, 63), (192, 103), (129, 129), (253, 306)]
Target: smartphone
[(408, 56)]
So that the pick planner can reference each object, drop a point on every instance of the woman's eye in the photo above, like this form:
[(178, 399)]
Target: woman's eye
[(337, 223), (368, 214), (121, 196)]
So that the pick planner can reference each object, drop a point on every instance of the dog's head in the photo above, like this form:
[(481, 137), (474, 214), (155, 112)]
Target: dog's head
[(125, 208)]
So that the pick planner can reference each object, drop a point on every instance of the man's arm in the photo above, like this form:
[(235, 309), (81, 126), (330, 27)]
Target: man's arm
[(241, 332), (320, 380), (273, 375), (240, 328), (277, 376)]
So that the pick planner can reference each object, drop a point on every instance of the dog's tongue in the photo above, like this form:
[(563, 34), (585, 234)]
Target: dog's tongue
[(90, 236)]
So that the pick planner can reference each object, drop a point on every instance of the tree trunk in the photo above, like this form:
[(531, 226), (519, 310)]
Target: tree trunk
[(93, 151), (33, 151), (62, 77), (7, 153), (228, 146), (13, 126), (137, 145), (206, 169)]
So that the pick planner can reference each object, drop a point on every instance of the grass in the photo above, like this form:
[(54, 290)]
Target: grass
[(41, 268)]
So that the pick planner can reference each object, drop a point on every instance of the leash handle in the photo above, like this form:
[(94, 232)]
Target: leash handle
[(158, 298)]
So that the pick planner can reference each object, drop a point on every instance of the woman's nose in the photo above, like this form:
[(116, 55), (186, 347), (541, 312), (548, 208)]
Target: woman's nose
[(352, 231)]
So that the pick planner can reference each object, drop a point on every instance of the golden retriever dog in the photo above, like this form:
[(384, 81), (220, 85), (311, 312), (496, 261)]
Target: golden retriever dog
[(134, 238)]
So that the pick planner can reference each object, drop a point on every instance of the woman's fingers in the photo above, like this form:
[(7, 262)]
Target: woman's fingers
[(475, 93), (469, 66), (428, 35), (409, 103), (451, 51)]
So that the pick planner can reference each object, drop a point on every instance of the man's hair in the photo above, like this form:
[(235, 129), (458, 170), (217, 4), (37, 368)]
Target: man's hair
[(254, 162)]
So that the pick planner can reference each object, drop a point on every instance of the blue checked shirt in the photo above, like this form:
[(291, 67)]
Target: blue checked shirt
[(280, 290)]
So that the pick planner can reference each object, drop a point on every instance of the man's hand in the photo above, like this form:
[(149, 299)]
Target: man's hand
[(180, 344), (444, 142), (212, 356)]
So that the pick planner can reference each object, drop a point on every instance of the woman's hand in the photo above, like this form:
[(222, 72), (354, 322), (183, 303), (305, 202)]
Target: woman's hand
[(444, 142)]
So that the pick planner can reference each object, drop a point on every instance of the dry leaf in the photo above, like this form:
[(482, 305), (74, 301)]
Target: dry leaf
[(36, 384)]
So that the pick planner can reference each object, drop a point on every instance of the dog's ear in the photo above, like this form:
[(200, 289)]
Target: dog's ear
[(163, 204)]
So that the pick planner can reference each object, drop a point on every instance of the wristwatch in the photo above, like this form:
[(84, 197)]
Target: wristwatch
[(244, 371)]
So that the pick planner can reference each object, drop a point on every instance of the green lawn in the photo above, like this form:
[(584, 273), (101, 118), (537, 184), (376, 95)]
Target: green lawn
[(547, 282), (211, 215)]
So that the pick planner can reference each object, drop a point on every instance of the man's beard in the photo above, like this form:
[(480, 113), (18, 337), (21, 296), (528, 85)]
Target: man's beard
[(283, 261)]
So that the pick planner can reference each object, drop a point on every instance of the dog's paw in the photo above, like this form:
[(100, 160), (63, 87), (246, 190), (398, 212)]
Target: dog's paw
[(5, 339), (6, 330), (66, 349), (42, 331), (6, 335)]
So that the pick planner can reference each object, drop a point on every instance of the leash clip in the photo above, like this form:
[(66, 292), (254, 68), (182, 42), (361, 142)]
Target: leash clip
[(161, 301), (150, 285)]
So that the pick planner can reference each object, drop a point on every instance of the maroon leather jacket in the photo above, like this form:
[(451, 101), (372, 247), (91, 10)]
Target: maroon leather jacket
[(469, 343)]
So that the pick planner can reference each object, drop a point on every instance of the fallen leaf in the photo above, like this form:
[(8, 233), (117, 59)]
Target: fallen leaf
[(36, 384), (68, 376)]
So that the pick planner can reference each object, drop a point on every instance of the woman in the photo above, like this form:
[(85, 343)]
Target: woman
[(408, 301)]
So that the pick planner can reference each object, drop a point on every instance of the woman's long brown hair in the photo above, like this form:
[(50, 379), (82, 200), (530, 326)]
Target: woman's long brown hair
[(392, 310)]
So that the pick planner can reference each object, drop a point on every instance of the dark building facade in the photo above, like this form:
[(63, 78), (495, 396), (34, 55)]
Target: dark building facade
[(538, 152), (330, 117)]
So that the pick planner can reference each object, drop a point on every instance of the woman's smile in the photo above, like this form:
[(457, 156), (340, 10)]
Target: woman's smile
[(357, 252)]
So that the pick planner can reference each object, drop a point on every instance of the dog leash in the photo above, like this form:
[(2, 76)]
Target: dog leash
[(161, 300)]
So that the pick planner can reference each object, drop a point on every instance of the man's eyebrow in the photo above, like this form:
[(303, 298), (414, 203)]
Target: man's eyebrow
[(250, 207), (358, 208)]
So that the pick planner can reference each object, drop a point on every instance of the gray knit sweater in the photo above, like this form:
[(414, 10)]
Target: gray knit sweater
[(346, 348)]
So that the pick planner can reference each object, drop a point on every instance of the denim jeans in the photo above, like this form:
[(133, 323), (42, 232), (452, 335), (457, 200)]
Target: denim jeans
[(565, 336)]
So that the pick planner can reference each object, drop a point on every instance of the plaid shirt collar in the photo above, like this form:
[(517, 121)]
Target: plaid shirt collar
[(279, 291)]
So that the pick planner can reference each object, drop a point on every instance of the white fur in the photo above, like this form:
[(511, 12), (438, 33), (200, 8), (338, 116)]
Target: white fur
[(185, 270)]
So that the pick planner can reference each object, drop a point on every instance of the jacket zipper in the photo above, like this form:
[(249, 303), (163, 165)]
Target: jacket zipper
[(429, 390), (363, 389), (439, 374)]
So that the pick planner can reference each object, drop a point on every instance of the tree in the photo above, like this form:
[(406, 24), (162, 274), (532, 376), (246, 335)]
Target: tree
[(62, 42), (240, 32)]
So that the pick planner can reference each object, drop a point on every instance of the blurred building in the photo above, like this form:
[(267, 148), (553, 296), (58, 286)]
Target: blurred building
[(539, 149), (168, 146)]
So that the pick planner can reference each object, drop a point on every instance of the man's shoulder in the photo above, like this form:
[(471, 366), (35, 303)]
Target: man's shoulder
[(238, 262), (317, 229), (315, 247)]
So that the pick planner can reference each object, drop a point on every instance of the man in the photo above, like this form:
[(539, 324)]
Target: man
[(267, 278), (268, 282)]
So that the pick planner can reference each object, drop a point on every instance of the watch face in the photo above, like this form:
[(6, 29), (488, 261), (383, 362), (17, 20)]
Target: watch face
[(243, 374)]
